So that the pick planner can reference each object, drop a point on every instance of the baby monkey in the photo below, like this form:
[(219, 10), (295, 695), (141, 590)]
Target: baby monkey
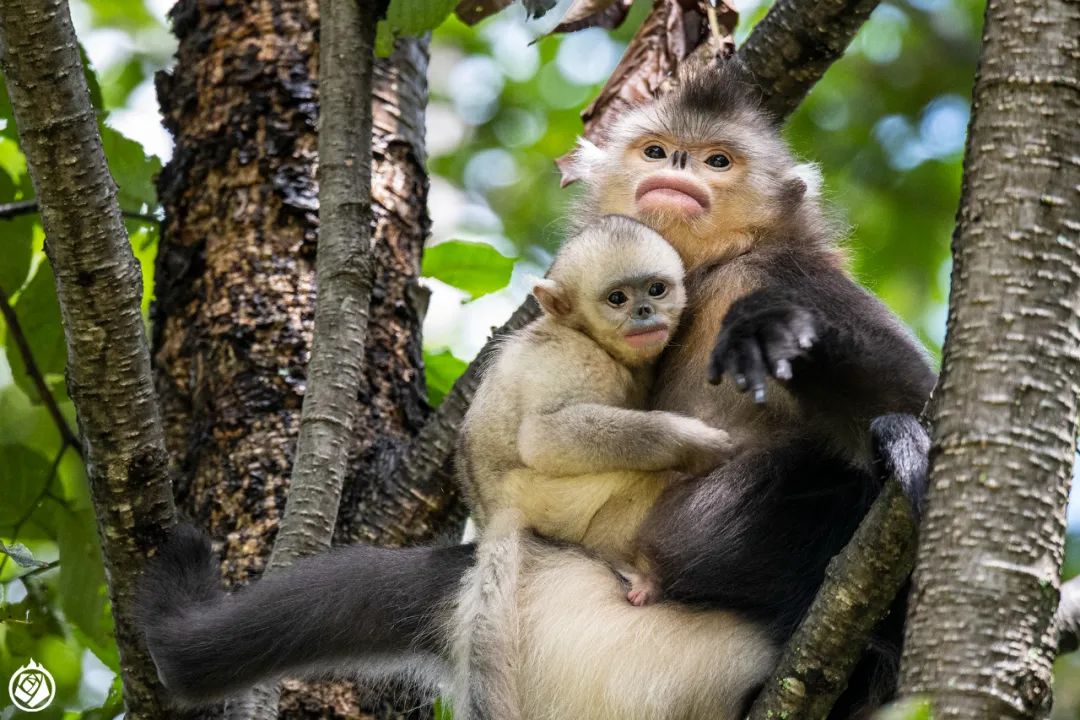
[(558, 431)]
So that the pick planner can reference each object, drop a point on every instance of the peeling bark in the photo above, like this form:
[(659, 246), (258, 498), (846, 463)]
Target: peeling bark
[(99, 285), (981, 636)]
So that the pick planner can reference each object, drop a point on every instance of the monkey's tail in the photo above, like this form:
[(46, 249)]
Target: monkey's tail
[(364, 610), (486, 627), (901, 450)]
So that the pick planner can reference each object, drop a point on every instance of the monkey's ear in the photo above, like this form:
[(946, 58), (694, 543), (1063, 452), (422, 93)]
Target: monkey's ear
[(585, 158), (551, 297), (810, 175)]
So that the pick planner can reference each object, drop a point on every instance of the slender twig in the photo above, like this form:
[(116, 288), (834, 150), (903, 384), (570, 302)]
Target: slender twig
[(18, 526), (34, 372), (11, 210)]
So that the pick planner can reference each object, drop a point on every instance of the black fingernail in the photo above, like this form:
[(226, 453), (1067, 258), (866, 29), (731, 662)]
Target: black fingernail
[(783, 369), (759, 395), (805, 341), (740, 382)]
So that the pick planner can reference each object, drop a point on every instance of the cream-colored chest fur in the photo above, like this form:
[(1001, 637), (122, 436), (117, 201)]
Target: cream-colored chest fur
[(541, 370)]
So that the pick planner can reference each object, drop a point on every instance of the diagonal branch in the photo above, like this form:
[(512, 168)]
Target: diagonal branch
[(344, 274), (796, 42), (788, 52), (99, 284), (28, 207), (66, 433), (860, 585)]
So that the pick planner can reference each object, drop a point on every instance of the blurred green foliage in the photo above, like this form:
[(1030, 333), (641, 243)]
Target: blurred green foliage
[(886, 125)]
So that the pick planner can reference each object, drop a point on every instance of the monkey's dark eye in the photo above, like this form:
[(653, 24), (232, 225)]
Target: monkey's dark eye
[(720, 161), (617, 297), (655, 152), (657, 289)]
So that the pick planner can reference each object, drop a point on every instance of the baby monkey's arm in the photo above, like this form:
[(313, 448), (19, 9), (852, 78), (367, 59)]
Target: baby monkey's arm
[(589, 438)]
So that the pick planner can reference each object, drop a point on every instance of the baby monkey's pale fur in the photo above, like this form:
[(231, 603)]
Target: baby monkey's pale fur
[(558, 440), (559, 428)]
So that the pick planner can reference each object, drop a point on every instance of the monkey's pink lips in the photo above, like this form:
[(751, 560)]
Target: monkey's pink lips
[(644, 338), (667, 192)]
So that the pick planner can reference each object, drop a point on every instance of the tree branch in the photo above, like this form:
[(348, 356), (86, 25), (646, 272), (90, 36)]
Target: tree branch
[(67, 435), (27, 207), (99, 285), (344, 273), (860, 586), (796, 42), (788, 51)]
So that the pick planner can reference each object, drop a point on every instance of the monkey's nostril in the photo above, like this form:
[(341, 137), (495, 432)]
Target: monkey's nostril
[(644, 311)]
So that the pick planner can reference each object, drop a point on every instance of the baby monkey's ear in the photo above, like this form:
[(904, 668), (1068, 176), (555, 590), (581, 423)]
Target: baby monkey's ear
[(552, 297)]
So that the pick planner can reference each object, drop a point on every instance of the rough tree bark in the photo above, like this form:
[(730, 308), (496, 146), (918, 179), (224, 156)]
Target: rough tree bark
[(235, 288), (981, 632), (343, 278), (99, 285)]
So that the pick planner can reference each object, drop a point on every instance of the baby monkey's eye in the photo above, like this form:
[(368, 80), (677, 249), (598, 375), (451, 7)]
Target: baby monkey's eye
[(719, 161), (657, 289), (617, 297), (655, 152)]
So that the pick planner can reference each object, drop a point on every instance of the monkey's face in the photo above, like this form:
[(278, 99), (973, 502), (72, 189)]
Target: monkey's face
[(634, 316), (619, 282), (704, 166), (694, 191)]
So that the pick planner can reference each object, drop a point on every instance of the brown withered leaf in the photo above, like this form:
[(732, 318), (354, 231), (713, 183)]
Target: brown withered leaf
[(473, 11), (608, 14), (670, 33)]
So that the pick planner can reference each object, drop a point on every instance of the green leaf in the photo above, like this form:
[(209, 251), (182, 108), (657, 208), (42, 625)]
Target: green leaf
[(133, 170), (121, 14), (410, 17), (17, 239), (476, 268), (23, 474), (83, 594), (38, 313), (113, 705), (916, 708), (119, 81), (441, 370), (91, 80)]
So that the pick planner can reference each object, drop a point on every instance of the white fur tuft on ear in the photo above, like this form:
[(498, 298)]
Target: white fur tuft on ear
[(810, 174), (550, 296), (586, 158)]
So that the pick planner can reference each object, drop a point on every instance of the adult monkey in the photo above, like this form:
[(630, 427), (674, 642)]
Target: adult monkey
[(706, 167)]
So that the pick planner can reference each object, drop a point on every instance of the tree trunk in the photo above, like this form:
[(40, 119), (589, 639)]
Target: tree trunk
[(235, 288), (99, 286), (981, 637)]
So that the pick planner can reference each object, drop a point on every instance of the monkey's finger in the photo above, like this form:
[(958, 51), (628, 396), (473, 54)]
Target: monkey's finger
[(717, 361), (780, 346), (747, 366)]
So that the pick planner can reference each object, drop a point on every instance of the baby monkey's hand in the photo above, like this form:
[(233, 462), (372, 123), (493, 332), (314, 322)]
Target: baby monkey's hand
[(706, 447)]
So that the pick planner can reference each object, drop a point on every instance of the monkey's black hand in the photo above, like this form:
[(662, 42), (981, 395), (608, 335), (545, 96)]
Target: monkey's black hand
[(761, 336)]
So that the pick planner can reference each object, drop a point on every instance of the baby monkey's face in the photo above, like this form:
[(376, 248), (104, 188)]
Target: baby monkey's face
[(634, 316)]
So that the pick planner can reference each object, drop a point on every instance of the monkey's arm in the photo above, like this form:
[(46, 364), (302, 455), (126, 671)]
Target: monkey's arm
[(328, 612), (586, 438), (836, 347)]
